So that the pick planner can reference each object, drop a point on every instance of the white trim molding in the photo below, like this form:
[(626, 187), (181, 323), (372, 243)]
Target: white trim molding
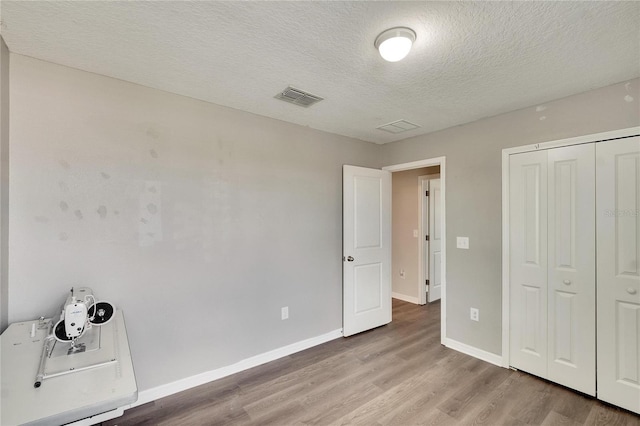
[(596, 137), (406, 298), (162, 391), (437, 161), (474, 352)]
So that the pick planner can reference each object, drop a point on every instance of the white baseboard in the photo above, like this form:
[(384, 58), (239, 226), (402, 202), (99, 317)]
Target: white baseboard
[(245, 364), (406, 298), (474, 352)]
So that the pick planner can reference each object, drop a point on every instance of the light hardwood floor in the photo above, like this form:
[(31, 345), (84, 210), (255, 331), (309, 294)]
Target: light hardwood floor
[(398, 374)]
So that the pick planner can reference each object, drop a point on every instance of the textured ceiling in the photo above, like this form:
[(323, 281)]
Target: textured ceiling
[(470, 59)]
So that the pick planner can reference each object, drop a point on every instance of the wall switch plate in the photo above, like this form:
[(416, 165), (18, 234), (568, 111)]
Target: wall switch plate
[(462, 242), (415, 233), (474, 314), (284, 312)]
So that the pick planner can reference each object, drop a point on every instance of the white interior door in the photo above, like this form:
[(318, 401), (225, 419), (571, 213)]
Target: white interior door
[(571, 281), (435, 241), (424, 228), (366, 249), (528, 261), (618, 252)]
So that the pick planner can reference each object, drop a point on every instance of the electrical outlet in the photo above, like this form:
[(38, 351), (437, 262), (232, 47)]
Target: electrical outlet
[(474, 314), (415, 233), (284, 313), (403, 275)]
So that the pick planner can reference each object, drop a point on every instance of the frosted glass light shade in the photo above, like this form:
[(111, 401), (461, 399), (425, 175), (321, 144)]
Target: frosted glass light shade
[(394, 44)]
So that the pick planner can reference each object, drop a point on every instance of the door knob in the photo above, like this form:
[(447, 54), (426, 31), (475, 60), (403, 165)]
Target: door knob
[(631, 290), (349, 259), (567, 282)]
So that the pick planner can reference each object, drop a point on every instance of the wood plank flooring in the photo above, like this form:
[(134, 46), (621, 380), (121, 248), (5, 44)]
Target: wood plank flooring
[(398, 374)]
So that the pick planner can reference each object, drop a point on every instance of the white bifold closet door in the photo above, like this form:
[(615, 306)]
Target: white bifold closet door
[(552, 265), (618, 224), (571, 292), (528, 262)]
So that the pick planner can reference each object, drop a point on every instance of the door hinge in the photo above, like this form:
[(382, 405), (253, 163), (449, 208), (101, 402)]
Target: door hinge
[(427, 285), (426, 193), (426, 238)]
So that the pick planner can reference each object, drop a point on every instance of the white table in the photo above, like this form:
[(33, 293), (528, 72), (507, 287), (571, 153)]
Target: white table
[(98, 391)]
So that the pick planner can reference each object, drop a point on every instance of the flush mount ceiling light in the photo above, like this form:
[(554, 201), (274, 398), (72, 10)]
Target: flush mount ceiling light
[(395, 43)]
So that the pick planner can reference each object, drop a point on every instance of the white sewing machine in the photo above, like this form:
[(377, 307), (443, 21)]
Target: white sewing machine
[(57, 371), (80, 313)]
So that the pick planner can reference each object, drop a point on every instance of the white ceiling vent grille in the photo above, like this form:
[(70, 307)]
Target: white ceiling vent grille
[(298, 97), (398, 126)]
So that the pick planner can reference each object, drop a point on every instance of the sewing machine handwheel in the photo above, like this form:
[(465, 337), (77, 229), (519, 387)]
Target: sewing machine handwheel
[(103, 313), (60, 333)]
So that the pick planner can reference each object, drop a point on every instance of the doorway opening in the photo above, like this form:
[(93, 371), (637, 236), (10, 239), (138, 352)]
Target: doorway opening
[(415, 235), (419, 233)]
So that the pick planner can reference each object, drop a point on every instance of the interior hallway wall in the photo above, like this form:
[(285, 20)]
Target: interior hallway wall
[(405, 219), (473, 197), (198, 221)]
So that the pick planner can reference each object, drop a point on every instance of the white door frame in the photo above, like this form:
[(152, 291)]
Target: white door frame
[(438, 161), (597, 137)]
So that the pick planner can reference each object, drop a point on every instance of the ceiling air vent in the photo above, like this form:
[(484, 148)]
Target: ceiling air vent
[(398, 126), (298, 97)]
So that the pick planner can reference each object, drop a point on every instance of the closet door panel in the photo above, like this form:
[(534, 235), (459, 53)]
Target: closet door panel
[(571, 263), (618, 252), (528, 262)]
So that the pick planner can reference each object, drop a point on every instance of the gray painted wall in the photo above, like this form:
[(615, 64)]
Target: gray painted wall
[(473, 179), (4, 183), (405, 218), (200, 222)]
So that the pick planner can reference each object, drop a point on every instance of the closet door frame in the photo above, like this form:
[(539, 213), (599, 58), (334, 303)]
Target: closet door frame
[(597, 137)]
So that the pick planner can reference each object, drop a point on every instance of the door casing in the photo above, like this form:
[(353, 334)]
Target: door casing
[(437, 161)]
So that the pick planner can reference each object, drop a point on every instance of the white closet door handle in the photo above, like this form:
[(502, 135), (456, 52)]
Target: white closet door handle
[(631, 290), (566, 282)]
